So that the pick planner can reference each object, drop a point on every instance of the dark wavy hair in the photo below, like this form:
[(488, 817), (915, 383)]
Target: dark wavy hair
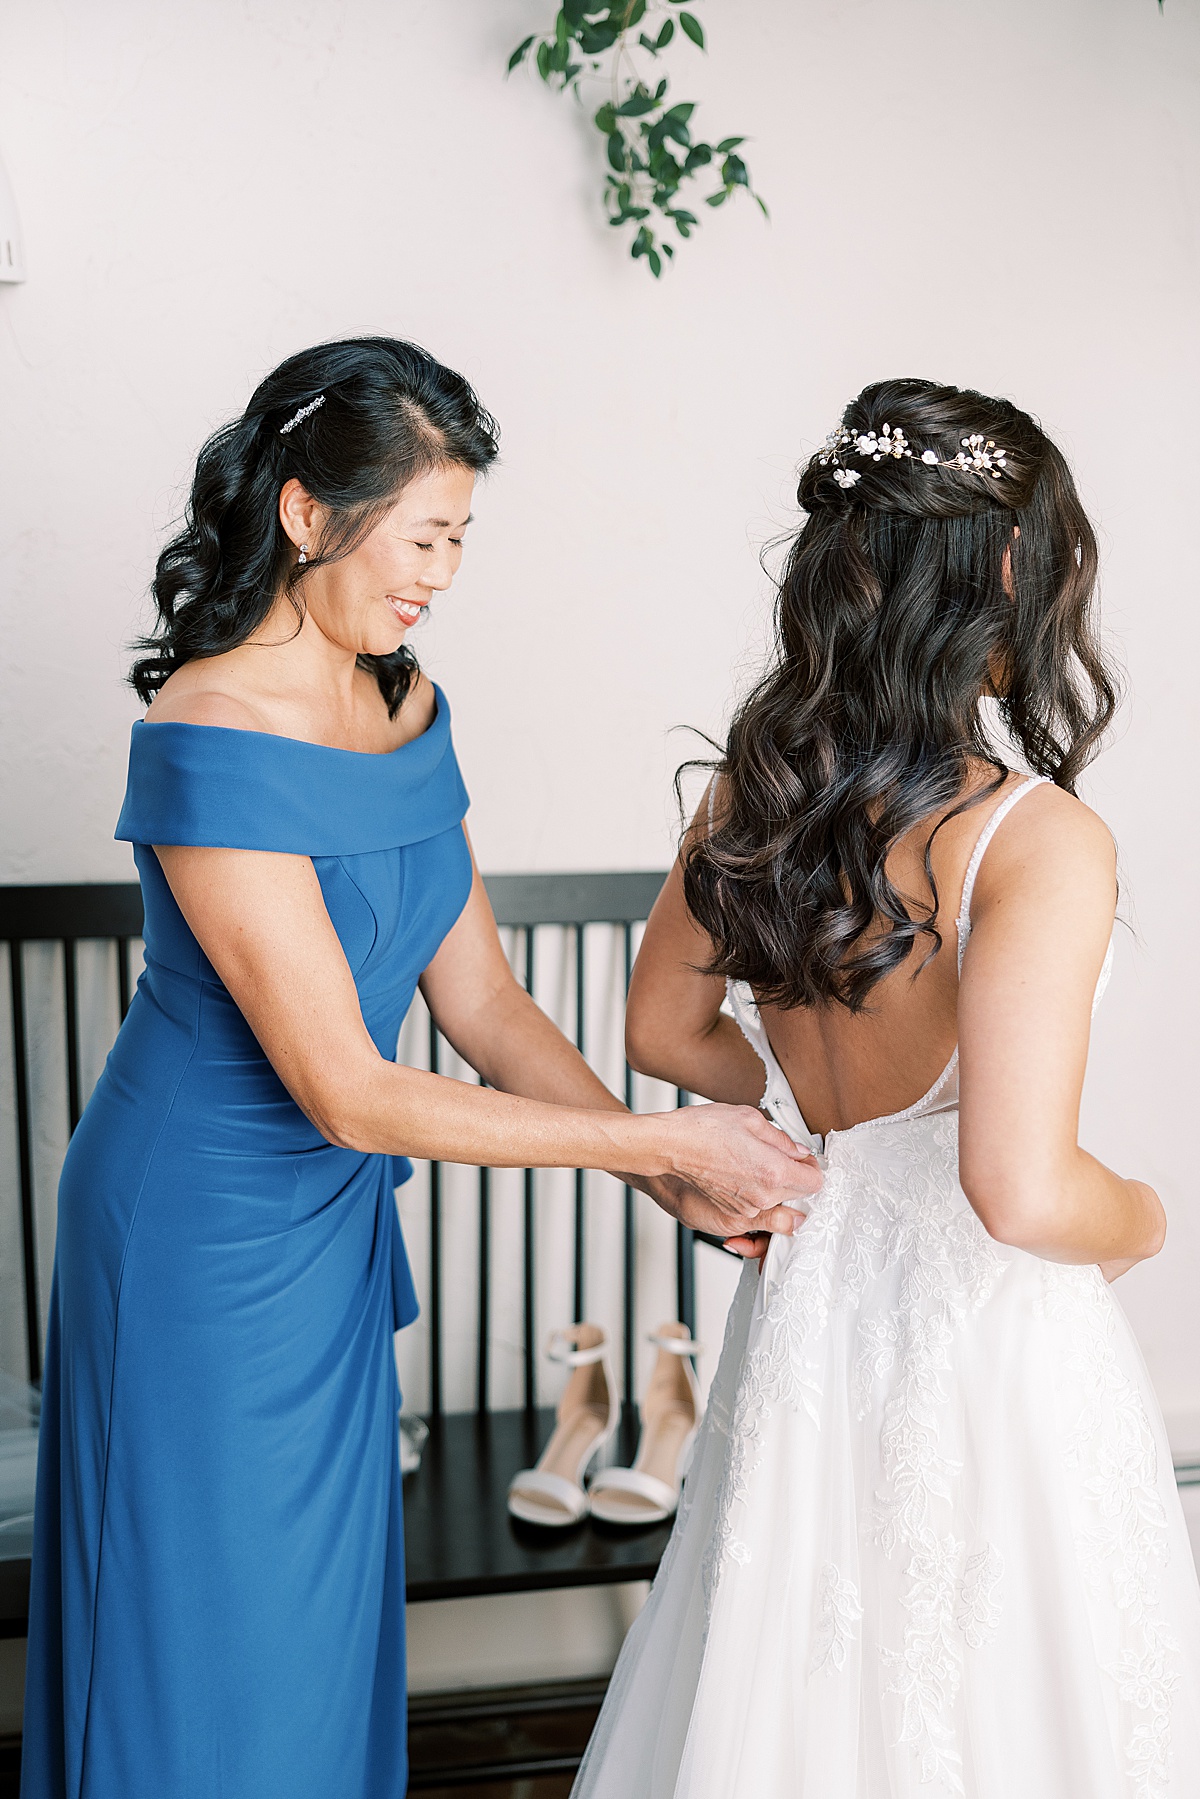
[(390, 414), (894, 618)]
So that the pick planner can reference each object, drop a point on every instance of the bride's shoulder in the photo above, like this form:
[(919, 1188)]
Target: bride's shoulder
[(1050, 846), (1061, 825)]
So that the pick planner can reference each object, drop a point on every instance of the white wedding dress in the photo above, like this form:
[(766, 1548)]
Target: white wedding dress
[(930, 1543)]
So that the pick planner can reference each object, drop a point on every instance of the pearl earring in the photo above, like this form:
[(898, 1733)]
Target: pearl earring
[(303, 556)]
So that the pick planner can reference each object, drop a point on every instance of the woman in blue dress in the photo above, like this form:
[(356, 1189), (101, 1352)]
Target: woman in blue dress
[(218, 1581)]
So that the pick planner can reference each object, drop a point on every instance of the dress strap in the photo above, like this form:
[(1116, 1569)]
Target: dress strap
[(985, 837)]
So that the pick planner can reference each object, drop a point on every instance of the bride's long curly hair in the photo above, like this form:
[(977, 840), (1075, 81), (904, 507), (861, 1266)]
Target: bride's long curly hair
[(907, 596)]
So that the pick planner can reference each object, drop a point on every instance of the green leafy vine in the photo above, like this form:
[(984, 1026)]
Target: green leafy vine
[(650, 149)]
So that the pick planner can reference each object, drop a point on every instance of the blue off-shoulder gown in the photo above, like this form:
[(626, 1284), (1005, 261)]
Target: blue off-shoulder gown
[(217, 1608)]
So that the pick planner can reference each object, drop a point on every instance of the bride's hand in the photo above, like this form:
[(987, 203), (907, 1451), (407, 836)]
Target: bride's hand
[(754, 1248), (733, 1174), (1156, 1231), (690, 1207)]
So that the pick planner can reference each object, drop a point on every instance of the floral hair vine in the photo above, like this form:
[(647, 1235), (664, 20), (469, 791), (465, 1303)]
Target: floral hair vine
[(978, 456), (299, 417)]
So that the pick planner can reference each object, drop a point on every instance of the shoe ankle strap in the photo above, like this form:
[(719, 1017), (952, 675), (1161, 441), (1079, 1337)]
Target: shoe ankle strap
[(679, 1346), (561, 1348)]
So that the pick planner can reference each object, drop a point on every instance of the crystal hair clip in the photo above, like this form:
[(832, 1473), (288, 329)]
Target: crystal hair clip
[(978, 455), (299, 417)]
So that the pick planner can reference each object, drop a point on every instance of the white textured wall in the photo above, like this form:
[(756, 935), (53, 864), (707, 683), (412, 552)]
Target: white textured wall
[(1002, 195)]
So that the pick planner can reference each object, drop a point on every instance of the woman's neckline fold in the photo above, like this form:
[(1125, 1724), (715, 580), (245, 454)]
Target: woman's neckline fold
[(436, 723)]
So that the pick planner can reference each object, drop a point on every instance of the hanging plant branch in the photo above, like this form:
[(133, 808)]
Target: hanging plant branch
[(652, 156)]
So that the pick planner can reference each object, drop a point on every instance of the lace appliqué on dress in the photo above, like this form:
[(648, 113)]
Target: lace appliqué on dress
[(949, 1268), (920, 1225), (980, 1596), (824, 1259), (928, 1669), (839, 1612), (1122, 1543)]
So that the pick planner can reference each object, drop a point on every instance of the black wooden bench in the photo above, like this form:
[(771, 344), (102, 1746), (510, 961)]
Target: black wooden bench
[(460, 1540)]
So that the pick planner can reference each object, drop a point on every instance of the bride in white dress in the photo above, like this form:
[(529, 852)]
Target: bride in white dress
[(930, 1543)]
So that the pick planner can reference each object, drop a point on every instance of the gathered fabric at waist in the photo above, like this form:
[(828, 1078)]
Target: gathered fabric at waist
[(188, 1088), (185, 1045)]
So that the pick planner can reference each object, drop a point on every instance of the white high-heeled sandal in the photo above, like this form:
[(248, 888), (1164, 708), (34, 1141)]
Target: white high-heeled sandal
[(648, 1492), (552, 1493)]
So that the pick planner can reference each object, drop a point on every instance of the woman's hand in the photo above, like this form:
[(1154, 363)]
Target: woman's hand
[(733, 1173), (261, 920)]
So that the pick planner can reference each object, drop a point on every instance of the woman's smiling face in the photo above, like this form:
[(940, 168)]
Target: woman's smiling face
[(368, 600)]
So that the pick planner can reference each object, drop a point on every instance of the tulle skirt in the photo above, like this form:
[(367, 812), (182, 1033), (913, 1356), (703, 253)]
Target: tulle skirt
[(930, 1543)]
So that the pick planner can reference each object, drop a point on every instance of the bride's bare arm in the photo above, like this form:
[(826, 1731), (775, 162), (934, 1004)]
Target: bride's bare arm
[(1041, 920), (674, 1026), (261, 920)]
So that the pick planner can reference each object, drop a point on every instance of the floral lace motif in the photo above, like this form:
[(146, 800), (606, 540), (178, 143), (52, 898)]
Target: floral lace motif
[(919, 1224), (948, 1267), (928, 1669), (893, 1249), (1122, 1539), (979, 1597), (839, 1611), (718, 1423)]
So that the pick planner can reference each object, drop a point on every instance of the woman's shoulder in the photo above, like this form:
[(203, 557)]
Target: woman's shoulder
[(205, 706), (212, 690), (211, 695), (262, 781), (418, 709)]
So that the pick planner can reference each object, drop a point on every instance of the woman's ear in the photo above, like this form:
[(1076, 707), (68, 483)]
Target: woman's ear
[(300, 515)]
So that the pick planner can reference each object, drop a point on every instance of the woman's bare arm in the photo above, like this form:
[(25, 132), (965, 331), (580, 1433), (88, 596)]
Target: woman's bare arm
[(1041, 919), (674, 1026), (261, 920), (485, 1013), (495, 1026)]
